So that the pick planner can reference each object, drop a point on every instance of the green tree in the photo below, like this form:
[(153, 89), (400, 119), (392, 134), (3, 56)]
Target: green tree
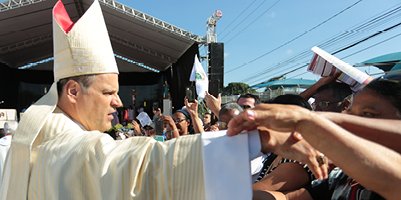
[(237, 88)]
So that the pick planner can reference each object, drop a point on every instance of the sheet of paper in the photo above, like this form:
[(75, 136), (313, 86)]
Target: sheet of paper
[(227, 166)]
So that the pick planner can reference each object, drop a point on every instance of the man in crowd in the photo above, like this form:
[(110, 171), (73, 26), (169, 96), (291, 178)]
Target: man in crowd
[(329, 94), (248, 100)]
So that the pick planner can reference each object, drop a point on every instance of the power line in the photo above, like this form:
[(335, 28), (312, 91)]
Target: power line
[(364, 49), (359, 51), (242, 12), (368, 38), (258, 17), (295, 38), (246, 17), (344, 36), (383, 17)]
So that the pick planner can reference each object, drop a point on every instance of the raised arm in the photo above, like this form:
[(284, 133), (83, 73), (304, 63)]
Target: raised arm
[(312, 90), (192, 108), (213, 103), (386, 132)]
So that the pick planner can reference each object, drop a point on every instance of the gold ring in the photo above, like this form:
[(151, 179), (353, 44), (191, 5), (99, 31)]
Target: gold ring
[(321, 159)]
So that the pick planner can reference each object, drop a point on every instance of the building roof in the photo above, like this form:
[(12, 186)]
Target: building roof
[(285, 83), (385, 62), (138, 39)]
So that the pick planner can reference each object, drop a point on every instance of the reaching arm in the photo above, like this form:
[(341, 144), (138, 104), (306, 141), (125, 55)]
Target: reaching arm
[(371, 164), (288, 145), (386, 132)]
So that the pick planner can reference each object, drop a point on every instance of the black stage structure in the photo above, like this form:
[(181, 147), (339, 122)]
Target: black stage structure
[(139, 41)]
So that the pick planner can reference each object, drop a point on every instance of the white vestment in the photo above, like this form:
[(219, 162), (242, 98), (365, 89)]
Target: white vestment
[(5, 143), (68, 162)]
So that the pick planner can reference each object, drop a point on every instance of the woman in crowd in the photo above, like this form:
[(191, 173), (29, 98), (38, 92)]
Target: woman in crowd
[(178, 124), (280, 173)]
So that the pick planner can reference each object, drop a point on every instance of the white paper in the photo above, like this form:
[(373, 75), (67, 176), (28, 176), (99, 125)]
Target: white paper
[(226, 166), (346, 68), (144, 119)]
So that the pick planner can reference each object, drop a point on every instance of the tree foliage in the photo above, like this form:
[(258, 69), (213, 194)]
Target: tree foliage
[(237, 88)]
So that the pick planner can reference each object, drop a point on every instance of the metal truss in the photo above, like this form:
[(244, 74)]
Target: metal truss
[(140, 48), (26, 43), (11, 4), (151, 20)]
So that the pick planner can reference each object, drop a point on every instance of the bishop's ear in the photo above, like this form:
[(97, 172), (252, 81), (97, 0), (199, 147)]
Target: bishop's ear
[(72, 88)]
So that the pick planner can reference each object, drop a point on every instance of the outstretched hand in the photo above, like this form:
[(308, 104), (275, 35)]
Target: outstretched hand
[(277, 128), (292, 146), (278, 117)]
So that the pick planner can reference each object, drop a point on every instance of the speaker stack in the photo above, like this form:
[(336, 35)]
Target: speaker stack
[(216, 68)]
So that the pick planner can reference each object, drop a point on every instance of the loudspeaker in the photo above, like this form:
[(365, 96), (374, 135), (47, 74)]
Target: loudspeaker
[(216, 68)]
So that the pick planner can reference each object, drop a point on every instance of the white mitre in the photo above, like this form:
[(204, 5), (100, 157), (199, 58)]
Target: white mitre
[(79, 49), (85, 48)]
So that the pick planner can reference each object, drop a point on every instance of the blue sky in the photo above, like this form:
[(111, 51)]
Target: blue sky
[(258, 35)]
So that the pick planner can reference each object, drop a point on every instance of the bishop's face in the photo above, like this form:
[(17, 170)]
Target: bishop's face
[(96, 104)]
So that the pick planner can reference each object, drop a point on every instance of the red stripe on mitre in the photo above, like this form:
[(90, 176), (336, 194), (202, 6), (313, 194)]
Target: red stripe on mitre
[(61, 16)]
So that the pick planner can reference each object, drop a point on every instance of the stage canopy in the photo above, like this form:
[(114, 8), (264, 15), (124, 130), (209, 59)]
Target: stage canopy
[(138, 40), (148, 50)]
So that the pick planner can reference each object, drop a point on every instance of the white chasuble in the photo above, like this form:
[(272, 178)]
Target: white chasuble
[(68, 162)]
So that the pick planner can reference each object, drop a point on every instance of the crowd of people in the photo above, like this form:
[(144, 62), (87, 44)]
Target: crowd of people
[(345, 145)]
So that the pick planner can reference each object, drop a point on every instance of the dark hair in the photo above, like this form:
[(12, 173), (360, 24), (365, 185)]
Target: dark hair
[(185, 113), (291, 99), (388, 88), (340, 90), (248, 95), (229, 106), (84, 81)]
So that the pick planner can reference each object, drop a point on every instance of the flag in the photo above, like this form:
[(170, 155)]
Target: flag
[(199, 76), (325, 64)]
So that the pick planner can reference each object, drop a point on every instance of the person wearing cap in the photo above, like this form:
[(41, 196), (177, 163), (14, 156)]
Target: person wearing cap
[(178, 124), (59, 150)]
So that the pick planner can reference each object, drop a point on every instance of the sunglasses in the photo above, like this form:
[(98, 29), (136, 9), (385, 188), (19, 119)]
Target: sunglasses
[(176, 121)]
